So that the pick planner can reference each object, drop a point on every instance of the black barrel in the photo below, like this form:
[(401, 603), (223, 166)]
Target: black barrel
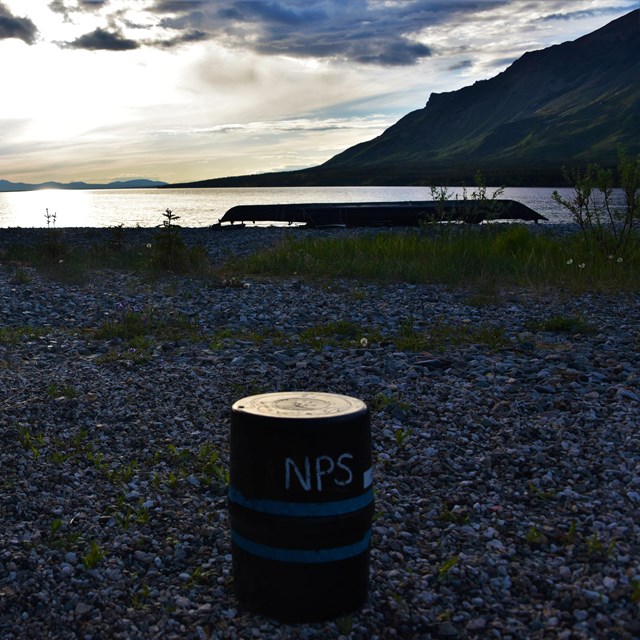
[(300, 504)]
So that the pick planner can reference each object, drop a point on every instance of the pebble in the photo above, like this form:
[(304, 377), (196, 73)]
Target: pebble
[(507, 480)]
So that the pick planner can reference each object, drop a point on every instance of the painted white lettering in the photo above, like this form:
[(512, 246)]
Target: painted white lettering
[(323, 472), (342, 465), (305, 480)]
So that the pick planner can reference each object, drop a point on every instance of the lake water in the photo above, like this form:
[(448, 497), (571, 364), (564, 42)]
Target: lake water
[(203, 207)]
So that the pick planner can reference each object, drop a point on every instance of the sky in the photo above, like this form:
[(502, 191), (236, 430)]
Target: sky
[(183, 90)]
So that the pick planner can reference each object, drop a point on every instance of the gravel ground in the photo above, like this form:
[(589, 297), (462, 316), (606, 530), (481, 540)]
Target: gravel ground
[(506, 457)]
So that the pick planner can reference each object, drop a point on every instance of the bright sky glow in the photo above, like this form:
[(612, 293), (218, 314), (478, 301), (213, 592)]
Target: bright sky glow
[(179, 90)]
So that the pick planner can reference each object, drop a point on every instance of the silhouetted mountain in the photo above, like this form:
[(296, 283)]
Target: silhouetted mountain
[(568, 104), (5, 185)]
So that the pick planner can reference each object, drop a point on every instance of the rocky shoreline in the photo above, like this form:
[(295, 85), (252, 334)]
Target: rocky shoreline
[(506, 455)]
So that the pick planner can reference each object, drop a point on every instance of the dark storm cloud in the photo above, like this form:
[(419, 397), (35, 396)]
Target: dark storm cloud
[(92, 4), (276, 12), (358, 31), (177, 6), (101, 39), (185, 38), (14, 27)]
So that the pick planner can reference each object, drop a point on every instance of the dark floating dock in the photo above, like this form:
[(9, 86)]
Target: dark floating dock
[(381, 214)]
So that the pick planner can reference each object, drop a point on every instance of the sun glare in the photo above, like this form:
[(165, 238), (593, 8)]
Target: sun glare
[(29, 208)]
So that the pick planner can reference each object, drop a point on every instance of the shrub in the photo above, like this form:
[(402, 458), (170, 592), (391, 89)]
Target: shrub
[(606, 227)]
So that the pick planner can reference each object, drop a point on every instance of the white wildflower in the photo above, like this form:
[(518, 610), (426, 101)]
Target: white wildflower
[(364, 342), (570, 261)]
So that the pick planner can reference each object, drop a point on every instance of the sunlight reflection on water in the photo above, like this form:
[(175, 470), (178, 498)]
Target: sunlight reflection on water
[(203, 207)]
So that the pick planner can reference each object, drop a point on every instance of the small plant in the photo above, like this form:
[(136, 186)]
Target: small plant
[(221, 335), (116, 242), (570, 536), (457, 515), (52, 250), (136, 326), (94, 556), (13, 335), (59, 457), (447, 566), (60, 538), (168, 251), (562, 324), (402, 436), (224, 335), (54, 527), (71, 539), (635, 590), (50, 218), (126, 517), (142, 514), (389, 401), (596, 547), (199, 576), (21, 276), (62, 391), (96, 459), (337, 333), (409, 339), (139, 597), (344, 624), (534, 536), (172, 480), (123, 474), (207, 463), (444, 333), (543, 495)]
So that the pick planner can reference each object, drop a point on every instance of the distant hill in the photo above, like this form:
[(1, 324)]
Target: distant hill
[(5, 185), (568, 104)]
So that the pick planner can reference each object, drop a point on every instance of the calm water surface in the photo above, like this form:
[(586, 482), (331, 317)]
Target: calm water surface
[(203, 207)]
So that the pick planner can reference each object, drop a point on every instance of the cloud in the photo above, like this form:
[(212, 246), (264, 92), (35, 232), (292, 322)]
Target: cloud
[(66, 9), (177, 6), (14, 27), (101, 39), (176, 41), (358, 31), (459, 65), (372, 122), (584, 13)]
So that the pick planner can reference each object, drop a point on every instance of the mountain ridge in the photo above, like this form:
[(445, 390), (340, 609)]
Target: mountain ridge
[(7, 185), (540, 94), (568, 104)]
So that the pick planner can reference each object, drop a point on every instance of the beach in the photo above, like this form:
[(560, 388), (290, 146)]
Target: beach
[(506, 464)]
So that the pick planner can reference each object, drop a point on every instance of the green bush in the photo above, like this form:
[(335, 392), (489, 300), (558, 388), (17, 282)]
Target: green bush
[(612, 230)]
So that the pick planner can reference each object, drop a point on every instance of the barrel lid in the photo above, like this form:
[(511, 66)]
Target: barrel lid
[(300, 404)]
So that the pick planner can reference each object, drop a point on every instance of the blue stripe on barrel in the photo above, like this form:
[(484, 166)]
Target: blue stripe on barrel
[(305, 556), (339, 507)]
